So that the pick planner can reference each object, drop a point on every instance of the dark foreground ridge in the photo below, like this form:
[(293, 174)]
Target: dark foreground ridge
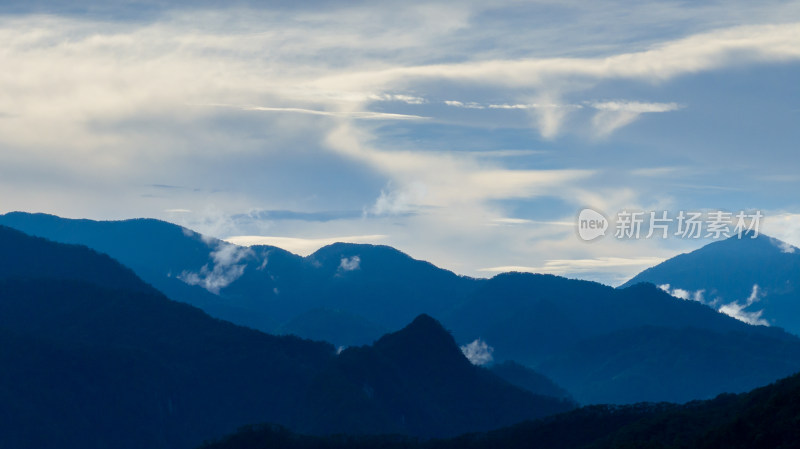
[(764, 418)]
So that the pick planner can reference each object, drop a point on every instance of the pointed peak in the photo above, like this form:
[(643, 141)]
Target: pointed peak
[(425, 324), (423, 336), (425, 320)]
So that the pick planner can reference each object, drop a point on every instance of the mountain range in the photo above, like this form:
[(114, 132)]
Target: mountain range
[(94, 357), (753, 278), (603, 345)]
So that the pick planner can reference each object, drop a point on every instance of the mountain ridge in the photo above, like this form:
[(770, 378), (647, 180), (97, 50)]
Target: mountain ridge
[(543, 322), (752, 279), (104, 360)]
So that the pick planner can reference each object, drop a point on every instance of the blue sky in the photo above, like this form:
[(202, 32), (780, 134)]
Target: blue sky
[(466, 134)]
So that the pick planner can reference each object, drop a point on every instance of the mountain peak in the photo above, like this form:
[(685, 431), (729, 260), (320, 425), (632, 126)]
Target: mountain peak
[(753, 278), (426, 326), (424, 340), (425, 321)]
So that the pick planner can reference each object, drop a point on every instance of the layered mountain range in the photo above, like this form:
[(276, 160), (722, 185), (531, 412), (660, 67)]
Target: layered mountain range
[(94, 357), (603, 345)]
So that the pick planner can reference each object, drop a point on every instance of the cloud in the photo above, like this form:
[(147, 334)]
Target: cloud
[(301, 246), (505, 153), (611, 271), (700, 52), (658, 171), (733, 309), (783, 246), (568, 266), (223, 269), (782, 225), (551, 115), (360, 115), (350, 264), (680, 293), (548, 114), (613, 115), (324, 107), (320, 216), (737, 310), (437, 179), (634, 106), (468, 105), (478, 352), (408, 99), (525, 221), (399, 201)]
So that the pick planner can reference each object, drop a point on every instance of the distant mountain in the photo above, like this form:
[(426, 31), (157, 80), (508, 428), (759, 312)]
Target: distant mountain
[(724, 275), (528, 379), (603, 345), (764, 418), (92, 357), (344, 328), (161, 253), (629, 365), (607, 345), (265, 287)]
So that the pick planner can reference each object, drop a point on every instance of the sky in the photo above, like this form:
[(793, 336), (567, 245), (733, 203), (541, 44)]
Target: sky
[(463, 133)]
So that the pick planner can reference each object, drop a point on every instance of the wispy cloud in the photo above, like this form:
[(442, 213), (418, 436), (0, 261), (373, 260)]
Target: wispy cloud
[(338, 107), (359, 115), (403, 98), (737, 310), (697, 295), (301, 246), (613, 115), (733, 309), (224, 268), (634, 106), (318, 216), (525, 221), (658, 171), (568, 266)]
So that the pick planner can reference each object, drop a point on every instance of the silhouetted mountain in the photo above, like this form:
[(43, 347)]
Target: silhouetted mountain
[(416, 381), (138, 370), (528, 379), (93, 357), (110, 362), (726, 271), (30, 257), (764, 418), (348, 294)]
